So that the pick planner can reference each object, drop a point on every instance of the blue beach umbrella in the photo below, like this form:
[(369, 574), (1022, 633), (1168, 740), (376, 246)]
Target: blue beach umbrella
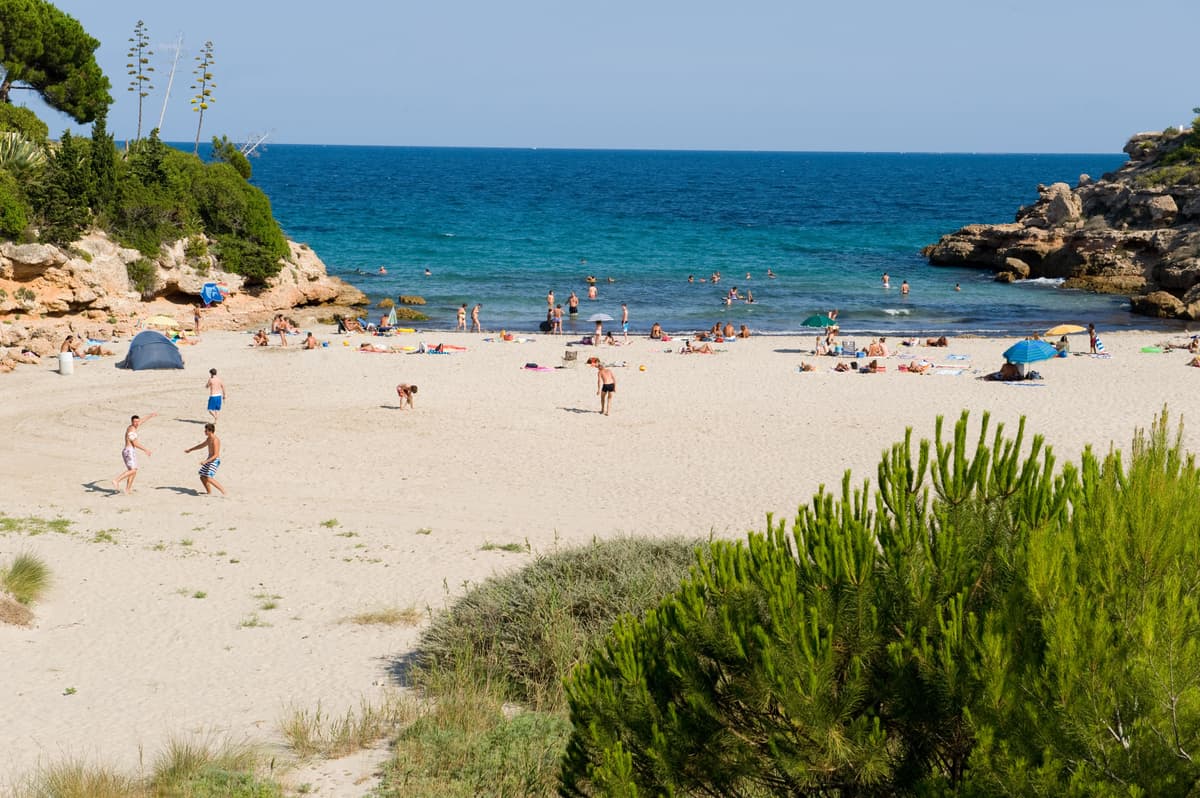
[(1029, 352)]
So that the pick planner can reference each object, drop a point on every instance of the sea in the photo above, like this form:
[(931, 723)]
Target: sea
[(502, 227)]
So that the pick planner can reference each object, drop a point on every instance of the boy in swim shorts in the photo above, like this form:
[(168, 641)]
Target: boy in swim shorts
[(209, 466), (606, 384)]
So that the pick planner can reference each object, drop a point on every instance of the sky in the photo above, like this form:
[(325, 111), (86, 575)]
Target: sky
[(839, 75)]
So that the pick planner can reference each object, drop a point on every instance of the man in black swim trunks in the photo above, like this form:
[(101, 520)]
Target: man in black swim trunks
[(606, 384), (573, 303)]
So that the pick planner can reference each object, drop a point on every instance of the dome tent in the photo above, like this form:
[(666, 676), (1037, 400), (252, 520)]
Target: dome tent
[(151, 350)]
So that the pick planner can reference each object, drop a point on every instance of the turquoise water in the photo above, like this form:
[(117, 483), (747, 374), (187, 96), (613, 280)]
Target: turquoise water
[(502, 227)]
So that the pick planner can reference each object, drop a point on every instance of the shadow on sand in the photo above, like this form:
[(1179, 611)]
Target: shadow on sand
[(98, 487), (180, 491)]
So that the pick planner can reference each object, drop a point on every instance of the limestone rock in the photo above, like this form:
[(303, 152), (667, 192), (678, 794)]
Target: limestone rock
[(1158, 303)]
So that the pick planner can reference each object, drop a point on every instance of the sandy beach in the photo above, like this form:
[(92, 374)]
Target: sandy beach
[(340, 503)]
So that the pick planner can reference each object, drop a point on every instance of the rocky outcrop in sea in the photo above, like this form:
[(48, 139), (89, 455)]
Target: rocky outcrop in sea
[(1135, 231)]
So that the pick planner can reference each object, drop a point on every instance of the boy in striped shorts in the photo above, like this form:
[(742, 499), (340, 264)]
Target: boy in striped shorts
[(209, 466)]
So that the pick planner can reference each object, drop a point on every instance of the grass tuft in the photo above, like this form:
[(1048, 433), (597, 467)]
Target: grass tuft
[(32, 525), (513, 547), (388, 616), (75, 778), (330, 523), (26, 579), (317, 733)]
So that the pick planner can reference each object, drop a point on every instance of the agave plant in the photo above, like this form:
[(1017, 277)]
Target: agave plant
[(19, 155)]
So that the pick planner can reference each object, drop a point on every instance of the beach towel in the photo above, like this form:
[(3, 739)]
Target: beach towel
[(1099, 345), (1152, 350), (949, 372), (958, 357)]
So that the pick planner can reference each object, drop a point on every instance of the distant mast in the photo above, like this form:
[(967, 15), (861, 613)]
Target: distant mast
[(171, 79)]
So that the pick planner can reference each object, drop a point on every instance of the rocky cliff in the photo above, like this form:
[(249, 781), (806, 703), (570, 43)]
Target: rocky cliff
[(46, 291), (1134, 231)]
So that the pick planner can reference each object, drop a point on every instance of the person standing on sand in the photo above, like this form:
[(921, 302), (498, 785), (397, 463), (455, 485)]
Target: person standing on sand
[(129, 453), (462, 318), (216, 393), (475, 326), (196, 319), (1092, 337), (210, 464), (606, 384)]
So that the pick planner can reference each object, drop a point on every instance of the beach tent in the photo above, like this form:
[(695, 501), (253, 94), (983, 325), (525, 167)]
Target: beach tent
[(151, 350), (211, 293)]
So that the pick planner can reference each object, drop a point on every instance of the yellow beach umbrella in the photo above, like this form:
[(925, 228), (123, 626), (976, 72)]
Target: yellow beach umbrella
[(1065, 329), (161, 321)]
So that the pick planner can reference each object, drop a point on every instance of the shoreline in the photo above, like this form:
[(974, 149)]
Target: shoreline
[(493, 453)]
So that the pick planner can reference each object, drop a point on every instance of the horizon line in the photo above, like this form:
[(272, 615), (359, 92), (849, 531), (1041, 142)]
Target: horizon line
[(536, 148)]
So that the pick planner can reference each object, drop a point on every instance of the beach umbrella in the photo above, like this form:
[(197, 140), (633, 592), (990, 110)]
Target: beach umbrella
[(161, 321), (1029, 352), (391, 319), (818, 320), (600, 317), (1065, 329)]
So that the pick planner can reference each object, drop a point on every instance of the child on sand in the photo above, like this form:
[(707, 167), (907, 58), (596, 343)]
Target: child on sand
[(406, 394)]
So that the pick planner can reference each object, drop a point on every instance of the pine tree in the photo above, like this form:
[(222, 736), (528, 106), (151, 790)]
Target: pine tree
[(203, 88), (139, 67)]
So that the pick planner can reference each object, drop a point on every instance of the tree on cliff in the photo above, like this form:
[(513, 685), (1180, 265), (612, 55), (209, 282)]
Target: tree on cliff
[(44, 50), (978, 625)]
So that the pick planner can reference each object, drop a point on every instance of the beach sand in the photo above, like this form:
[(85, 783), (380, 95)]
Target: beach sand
[(341, 503)]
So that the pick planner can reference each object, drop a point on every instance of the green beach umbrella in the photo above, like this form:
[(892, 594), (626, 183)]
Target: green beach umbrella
[(818, 320)]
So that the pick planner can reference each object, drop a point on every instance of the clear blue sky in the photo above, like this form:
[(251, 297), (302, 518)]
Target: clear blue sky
[(926, 75)]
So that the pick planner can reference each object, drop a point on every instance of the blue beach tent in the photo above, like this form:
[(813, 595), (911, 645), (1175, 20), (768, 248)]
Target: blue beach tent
[(151, 350), (211, 293)]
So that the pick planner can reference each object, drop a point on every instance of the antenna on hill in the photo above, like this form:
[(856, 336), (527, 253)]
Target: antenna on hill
[(178, 48)]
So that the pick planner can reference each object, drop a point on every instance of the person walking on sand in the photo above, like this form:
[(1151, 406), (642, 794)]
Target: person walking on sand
[(606, 384), (216, 393), (475, 326), (462, 318), (129, 453), (625, 320), (210, 464)]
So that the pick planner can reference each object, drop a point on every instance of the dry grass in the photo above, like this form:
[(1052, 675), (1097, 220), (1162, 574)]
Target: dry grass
[(317, 733), (13, 612), (78, 779), (388, 616)]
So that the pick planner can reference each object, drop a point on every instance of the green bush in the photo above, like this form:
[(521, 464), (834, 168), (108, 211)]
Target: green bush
[(525, 631), (978, 624), (143, 276), (238, 215), (196, 247), (60, 197), (14, 210), (21, 120)]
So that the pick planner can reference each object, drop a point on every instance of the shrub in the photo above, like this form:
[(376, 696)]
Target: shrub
[(525, 631), (196, 247), (205, 770), (14, 210), (60, 197), (239, 216), (143, 276), (26, 578), (978, 624), (21, 120)]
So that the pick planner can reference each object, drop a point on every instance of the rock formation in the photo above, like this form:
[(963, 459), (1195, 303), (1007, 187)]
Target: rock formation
[(1134, 231), (46, 291)]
